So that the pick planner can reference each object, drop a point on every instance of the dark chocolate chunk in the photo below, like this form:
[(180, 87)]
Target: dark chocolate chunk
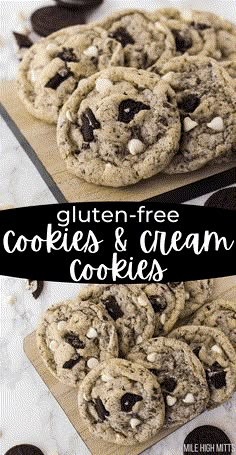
[(100, 409), (72, 362), (122, 36), (67, 55), (183, 43), (223, 199), (36, 287), (113, 308), (56, 80), (24, 449), (23, 41), (89, 124), (128, 401), (168, 385), (129, 108), (74, 340), (216, 376), (189, 103), (158, 303)]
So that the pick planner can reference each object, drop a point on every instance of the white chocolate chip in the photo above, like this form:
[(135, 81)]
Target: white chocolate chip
[(216, 349), (170, 400), (92, 333), (33, 77), (151, 357), (103, 85), (187, 15), (53, 345), (168, 77), (52, 48), (106, 378), (61, 325), (142, 301), (135, 146), (85, 397), (160, 27), (216, 124), (139, 339), (91, 51), (11, 299), (187, 296), (189, 399), (92, 363), (135, 423), (189, 124), (70, 116), (163, 319)]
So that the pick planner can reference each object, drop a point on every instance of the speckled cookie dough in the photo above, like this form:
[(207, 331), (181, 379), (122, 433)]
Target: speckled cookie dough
[(129, 308), (196, 294), (217, 356), (220, 314), (120, 126), (207, 103), (73, 338), (180, 374), (168, 301), (121, 402), (52, 68)]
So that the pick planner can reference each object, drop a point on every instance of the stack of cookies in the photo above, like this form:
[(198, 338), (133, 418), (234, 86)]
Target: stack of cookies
[(142, 356), (136, 93)]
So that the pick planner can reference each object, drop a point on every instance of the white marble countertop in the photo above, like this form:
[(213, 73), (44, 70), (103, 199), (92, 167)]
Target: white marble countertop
[(29, 413)]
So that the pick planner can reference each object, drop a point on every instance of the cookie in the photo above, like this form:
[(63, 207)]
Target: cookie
[(196, 294), (217, 356), (180, 374), (168, 301), (73, 338), (144, 42), (220, 314), (43, 25), (121, 402), (24, 449), (223, 199), (120, 126), (129, 308), (207, 103), (51, 69)]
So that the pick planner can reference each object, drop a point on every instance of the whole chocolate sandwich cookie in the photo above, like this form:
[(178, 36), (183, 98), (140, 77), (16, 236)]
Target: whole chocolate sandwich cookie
[(144, 42), (121, 402), (24, 449), (51, 69), (43, 25), (73, 338), (196, 294), (207, 102), (217, 356), (129, 308), (120, 126), (168, 301), (220, 314), (180, 374)]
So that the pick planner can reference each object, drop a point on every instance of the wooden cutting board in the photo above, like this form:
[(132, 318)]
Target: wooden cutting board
[(39, 141), (67, 396)]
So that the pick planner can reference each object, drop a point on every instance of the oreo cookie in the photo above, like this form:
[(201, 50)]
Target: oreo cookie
[(49, 19), (207, 440), (79, 3), (223, 199), (24, 449)]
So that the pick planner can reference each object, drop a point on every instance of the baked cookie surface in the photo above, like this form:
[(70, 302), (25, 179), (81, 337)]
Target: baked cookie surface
[(180, 375), (120, 126), (73, 338), (121, 402), (196, 294)]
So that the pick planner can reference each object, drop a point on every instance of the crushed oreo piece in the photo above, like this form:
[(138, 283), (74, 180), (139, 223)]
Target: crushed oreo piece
[(158, 303), (200, 26), (129, 400), (36, 287), (74, 341), (183, 43), (169, 385), (216, 376), (113, 308), (89, 124), (129, 108), (189, 103), (72, 362), (23, 41), (122, 36), (100, 409), (57, 80), (67, 55)]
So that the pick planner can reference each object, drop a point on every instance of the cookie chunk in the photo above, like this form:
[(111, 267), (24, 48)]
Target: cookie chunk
[(144, 42), (180, 374), (207, 104), (52, 68), (196, 294), (168, 301), (218, 358), (121, 402), (220, 314), (120, 126), (73, 337), (129, 308)]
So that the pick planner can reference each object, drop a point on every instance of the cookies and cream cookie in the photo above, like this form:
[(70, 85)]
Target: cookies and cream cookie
[(197, 293)]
